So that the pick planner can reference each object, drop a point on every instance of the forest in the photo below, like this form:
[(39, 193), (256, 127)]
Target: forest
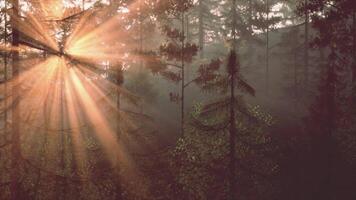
[(177, 99)]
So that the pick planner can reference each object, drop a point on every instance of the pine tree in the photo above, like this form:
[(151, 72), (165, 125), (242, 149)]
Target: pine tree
[(204, 23), (226, 115), (331, 113), (253, 18), (177, 52)]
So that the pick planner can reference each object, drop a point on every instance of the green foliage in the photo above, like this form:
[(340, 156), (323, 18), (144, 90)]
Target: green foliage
[(201, 156)]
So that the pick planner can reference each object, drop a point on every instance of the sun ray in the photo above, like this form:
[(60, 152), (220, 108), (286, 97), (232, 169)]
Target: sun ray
[(67, 92), (73, 118), (105, 134)]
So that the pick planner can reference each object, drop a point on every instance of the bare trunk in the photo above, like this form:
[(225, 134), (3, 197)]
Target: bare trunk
[(141, 32), (15, 187), (61, 190), (295, 80), (250, 15), (250, 29), (233, 130), (119, 82), (188, 71), (183, 77), (5, 69), (201, 28), (323, 138), (267, 47), (232, 139), (306, 46), (354, 56)]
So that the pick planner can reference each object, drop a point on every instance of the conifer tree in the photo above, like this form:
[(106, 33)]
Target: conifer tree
[(176, 52), (204, 23), (226, 115), (330, 113)]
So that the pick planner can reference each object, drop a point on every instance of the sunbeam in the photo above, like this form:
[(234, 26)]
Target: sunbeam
[(68, 91)]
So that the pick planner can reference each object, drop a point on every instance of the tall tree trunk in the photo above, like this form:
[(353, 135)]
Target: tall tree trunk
[(306, 46), (322, 141), (201, 29), (232, 138), (5, 68), (188, 71), (15, 187), (295, 87), (267, 47), (353, 67), (62, 185), (250, 30), (43, 149), (119, 82), (141, 32), (250, 15), (187, 28), (183, 75), (295, 51), (328, 141), (233, 131), (140, 68)]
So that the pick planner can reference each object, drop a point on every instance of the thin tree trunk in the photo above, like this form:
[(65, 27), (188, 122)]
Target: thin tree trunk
[(233, 130), (42, 151), (250, 30), (201, 29), (267, 47), (119, 82), (295, 80), (5, 77), (15, 187), (62, 182), (141, 33), (188, 72), (353, 67), (306, 46), (250, 15), (328, 141), (323, 141), (140, 70), (232, 138), (187, 28), (183, 77), (5, 69)]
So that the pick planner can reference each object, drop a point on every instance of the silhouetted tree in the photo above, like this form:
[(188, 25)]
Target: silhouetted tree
[(15, 187), (176, 51)]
